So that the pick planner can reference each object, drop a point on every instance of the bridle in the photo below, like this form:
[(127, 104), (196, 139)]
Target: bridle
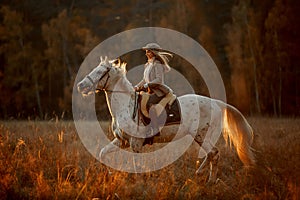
[(105, 84), (104, 89), (106, 81)]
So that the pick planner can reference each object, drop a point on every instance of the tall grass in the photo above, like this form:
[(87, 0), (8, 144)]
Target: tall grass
[(46, 160)]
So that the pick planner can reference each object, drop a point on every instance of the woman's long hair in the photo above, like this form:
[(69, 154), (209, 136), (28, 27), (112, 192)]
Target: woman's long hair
[(162, 57)]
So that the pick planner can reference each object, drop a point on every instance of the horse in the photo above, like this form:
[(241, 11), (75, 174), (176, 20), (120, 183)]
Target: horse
[(213, 117)]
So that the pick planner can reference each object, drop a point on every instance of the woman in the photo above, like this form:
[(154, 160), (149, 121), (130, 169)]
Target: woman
[(156, 66), (153, 80)]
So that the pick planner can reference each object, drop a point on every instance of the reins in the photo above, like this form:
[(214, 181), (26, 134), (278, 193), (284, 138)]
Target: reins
[(97, 90), (107, 72), (106, 81), (136, 96), (111, 91), (94, 84)]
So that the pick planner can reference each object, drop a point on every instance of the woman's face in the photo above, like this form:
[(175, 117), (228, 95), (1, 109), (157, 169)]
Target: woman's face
[(149, 54)]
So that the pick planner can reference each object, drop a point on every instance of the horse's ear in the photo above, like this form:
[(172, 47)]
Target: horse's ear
[(101, 59), (105, 60)]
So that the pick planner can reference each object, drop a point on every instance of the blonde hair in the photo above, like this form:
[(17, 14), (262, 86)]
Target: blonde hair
[(162, 56)]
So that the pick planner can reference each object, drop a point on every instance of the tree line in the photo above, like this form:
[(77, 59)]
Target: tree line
[(254, 44)]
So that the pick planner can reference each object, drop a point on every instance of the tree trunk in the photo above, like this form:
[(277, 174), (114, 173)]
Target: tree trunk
[(274, 100), (280, 72), (257, 101), (37, 92)]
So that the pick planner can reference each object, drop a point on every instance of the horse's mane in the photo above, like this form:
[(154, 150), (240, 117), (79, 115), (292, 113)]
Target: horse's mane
[(117, 63), (123, 66)]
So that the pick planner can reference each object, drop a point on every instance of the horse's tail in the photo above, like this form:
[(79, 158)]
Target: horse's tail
[(240, 134)]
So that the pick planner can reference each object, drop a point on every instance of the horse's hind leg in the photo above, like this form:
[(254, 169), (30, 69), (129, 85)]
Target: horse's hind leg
[(210, 159), (207, 151), (213, 155), (214, 158), (202, 154)]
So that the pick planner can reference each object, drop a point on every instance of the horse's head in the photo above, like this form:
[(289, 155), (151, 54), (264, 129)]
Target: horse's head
[(101, 76)]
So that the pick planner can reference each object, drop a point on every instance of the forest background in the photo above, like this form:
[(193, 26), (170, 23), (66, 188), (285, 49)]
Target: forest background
[(255, 45)]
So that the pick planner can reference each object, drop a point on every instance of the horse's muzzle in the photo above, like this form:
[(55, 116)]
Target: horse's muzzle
[(84, 90), (80, 87)]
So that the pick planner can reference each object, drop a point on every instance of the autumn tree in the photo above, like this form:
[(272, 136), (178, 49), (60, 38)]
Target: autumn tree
[(21, 74), (275, 24), (68, 42), (255, 45), (238, 56)]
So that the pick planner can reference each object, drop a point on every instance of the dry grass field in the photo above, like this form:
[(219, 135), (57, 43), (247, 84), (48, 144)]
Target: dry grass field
[(46, 160)]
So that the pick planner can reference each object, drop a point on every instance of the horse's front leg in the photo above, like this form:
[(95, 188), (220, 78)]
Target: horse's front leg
[(136, 145), (114, 146)]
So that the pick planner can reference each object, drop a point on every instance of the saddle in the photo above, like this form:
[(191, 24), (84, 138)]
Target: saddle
[(161, 98)]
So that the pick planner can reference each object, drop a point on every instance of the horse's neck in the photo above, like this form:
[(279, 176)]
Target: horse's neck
[(120, 96)]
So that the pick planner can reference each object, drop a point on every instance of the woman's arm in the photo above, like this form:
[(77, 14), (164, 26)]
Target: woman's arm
[(158, 70), (140, 84)]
